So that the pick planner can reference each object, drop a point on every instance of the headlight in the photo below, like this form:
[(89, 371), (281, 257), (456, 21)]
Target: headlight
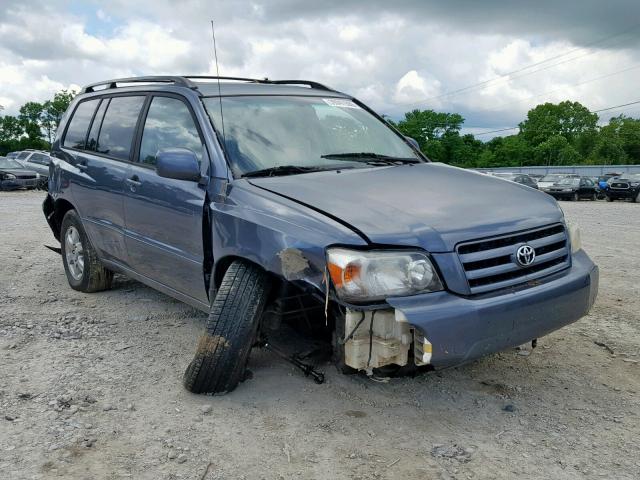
[(568, 190), (360, 276), (9, 176), (574, 238), (37, 175)]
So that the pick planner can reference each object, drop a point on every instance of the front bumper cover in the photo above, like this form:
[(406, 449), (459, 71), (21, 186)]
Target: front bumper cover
[(462, 329)]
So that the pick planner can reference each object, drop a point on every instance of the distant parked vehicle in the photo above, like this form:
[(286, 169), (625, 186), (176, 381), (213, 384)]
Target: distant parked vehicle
[(14, 176), (573, 188), (625, 187), (39, 162), (548, 181), (12, 155), (521, 178), (536, 177)]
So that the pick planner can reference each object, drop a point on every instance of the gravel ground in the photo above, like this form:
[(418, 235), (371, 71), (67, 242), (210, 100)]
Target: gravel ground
[(90, 386)]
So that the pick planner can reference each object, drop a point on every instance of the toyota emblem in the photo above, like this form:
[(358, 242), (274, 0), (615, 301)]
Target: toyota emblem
[(525, 255)]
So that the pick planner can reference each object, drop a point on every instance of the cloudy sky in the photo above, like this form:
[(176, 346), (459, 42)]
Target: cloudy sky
[(393, 55)]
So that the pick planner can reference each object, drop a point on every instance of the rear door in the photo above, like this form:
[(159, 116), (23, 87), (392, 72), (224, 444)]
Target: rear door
[(164, 216), (99, 139)]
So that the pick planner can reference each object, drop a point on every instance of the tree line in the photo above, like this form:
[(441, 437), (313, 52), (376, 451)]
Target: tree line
[(35, 125), (566, 133)]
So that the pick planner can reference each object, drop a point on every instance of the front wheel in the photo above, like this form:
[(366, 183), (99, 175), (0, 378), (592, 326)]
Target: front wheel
[(637, 198), (609, 199), (223, 349), (84, 270), (575, 197)]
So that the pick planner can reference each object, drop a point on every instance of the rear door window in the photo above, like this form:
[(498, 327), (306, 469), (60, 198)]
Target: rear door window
[(92, 139), (118, 126), (77, 130)]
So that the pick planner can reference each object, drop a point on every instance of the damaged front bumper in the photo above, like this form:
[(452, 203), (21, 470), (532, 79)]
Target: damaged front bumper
[(461, 329)]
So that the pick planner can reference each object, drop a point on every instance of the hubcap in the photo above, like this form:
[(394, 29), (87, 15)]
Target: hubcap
[(74, 252)]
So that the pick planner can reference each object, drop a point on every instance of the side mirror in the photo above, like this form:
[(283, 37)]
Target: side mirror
[(413, 142), (178, 163)]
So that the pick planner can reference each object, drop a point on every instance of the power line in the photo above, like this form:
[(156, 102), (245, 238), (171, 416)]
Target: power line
[(509, 77)]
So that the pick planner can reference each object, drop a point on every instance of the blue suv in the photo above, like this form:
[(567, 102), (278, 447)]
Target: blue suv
[(262, 201)]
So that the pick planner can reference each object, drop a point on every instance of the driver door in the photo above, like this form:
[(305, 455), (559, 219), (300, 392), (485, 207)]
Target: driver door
[(163, 216)]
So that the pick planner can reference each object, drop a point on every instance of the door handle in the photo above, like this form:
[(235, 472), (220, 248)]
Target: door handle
[(134, 181), (82, 166)]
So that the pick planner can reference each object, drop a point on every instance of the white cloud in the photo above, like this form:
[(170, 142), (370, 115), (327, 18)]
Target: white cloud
[(395, 57), (414, 88)]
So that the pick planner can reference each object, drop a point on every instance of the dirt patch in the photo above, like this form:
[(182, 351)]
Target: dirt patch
[(209, 344)]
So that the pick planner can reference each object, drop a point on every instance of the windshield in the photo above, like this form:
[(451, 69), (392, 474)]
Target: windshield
[(551, 178), (9, 163), (263, 132), (630, 177), (506, 176), (569, 181)]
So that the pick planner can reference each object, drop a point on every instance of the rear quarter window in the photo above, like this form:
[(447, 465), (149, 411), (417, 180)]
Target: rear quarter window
[(79, 124)]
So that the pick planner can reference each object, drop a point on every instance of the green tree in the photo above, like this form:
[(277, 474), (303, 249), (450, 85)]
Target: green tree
[(426, 125), (567, 119), (556, 150), (10, 128), (30, 116), (53, 110)]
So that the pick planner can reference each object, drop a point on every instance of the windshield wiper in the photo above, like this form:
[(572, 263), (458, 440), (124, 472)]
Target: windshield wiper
[(280, 170), (368, 157)]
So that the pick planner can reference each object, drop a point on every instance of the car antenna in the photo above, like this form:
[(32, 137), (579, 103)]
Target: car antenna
[(215, 56)]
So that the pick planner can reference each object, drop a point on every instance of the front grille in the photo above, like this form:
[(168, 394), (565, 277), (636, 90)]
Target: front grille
[(620, 186), (490, 264), (25, 176)]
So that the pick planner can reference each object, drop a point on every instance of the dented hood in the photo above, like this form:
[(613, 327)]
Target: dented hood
[(431, 205)]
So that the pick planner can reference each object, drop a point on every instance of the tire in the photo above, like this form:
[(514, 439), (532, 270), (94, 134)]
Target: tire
[(84, 270), (637, 198), (223, 349), (609, 199), (575, 197), (593, 197)]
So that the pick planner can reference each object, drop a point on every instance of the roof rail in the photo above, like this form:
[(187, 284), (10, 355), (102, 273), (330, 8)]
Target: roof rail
[(185, 81), (311, 84), (182, 81)]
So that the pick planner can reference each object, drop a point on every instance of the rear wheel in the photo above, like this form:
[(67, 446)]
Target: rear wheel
[(594, 197), (84, 270), (223, 349), (575, 197), (609, 199)]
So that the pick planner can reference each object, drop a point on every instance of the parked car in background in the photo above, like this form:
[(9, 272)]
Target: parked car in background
[(624, 187), (12, 155), (39, 162), (535, 177), (573, 188), (549, 180), (14, 176), (521, 178)]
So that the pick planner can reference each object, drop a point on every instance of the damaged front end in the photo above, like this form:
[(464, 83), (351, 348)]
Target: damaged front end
[(381, 338)]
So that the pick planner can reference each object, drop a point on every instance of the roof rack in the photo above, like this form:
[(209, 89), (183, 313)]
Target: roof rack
[(181, 81), (185, 81), (267, 81)]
